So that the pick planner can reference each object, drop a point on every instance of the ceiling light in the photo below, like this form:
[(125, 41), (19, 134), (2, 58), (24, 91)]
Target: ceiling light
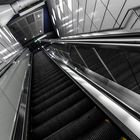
[(69, 26), (61, 5), (7, 32), (53, 20), (64, 18), (70, 31), (17, 43), (58, 32), (3, 51), (5, 35), (59, 14), (40, 31), (67, 23), (25, 38), (54, 14), (38, 16), (70, 4), (9, 55), (81, 20), (79, 10)]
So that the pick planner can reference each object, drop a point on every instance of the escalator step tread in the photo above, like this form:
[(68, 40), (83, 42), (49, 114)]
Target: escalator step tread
[(87, 121), (62, 119), (47, 79), (57, 108), (54, 99), (46, 95), (105, 131), (49, 86)]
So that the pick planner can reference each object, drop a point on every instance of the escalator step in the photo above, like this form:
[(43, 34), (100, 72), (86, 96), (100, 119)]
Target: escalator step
[(54, 99), (57, 108), (46, 95), (47, 78), (46, 86), (71, 131), (105, 131), (62, 119)]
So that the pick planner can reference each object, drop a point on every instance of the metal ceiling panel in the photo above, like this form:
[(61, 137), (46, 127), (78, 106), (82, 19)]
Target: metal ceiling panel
[(30, 19), (29, 26), (22, 23)]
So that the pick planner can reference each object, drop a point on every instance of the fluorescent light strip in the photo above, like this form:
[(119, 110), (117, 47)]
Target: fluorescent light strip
[(58, 32), (5, 35), (6, 11), (69, 26), (70, 31), (79, 10), (17, 43), (3, 51), (8, 32), (67, 23), (59, 14), (53, 20), (61, 5), (9, 55), (54, 15), (70, 4), (81, 20), (64, 18)]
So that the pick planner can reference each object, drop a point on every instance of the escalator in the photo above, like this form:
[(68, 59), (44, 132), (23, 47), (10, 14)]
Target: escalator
[(60, 110)]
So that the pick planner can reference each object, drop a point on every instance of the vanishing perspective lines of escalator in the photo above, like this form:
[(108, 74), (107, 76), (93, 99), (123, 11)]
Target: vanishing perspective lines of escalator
[(60, 110)]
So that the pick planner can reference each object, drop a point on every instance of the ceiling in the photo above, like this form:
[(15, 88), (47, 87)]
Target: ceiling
[(6, 1), (29, 26)]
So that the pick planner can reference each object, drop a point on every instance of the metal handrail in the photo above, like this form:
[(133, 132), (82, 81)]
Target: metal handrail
[(128, 44), (101, 34), (21, 125)]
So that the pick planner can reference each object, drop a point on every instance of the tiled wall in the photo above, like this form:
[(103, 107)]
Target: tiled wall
[(72, 17)]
